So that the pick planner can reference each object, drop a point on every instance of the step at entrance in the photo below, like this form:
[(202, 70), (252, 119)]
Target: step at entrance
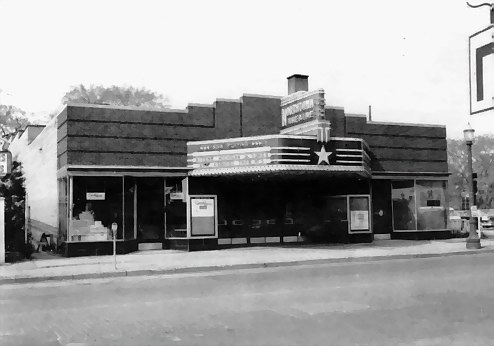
[(150, 246)]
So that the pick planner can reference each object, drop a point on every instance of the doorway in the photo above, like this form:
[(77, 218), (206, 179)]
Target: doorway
[(336, 222), (150, 213), (341, 219), (382, 222)]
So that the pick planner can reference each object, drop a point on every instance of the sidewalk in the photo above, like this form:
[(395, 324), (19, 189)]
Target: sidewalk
[(172, 261)]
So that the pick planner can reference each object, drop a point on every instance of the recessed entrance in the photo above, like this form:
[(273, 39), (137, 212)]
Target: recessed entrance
[(341, 217), (153, 207), (150, 209), (336, 222)]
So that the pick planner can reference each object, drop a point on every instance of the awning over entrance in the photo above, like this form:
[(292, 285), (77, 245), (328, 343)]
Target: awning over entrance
[(281, 154), (281, 170), (135, 171)]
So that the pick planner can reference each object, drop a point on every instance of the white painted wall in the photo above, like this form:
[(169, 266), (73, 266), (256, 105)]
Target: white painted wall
[(39, 163), (2, 230)]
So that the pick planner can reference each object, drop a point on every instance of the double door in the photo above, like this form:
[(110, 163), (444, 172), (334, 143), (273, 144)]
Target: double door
[(153, 206), (144, 208)]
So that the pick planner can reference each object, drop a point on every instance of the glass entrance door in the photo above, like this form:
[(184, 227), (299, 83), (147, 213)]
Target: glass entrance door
[(336, 222), (175, 208)]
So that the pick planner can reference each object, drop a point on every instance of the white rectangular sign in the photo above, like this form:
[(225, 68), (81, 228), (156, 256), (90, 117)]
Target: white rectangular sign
[(302, 106), (202, 207), (359, 220), (5, 163), (481, 53), (176, 196), (95, 196)]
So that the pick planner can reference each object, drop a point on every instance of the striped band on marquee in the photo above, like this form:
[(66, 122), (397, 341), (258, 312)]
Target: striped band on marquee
[(278, 153)]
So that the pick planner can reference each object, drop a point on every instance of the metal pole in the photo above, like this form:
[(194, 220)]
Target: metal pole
[(115, 250), (114, 228), (473, 240), (26, 217)]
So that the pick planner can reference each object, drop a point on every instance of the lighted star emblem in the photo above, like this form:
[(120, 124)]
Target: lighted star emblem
[(323, 155)]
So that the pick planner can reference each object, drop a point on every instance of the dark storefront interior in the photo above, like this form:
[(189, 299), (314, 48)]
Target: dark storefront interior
[(312, 206)]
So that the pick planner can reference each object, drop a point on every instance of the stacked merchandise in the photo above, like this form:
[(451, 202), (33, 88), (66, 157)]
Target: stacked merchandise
[(87, 229)]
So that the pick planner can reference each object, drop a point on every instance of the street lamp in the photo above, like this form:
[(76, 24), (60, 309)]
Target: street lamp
[(473, 240)]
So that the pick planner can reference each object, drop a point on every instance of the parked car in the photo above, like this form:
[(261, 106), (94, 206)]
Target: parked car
[(487, 222)]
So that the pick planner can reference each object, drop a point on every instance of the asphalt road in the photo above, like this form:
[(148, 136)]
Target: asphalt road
[(436, 301)]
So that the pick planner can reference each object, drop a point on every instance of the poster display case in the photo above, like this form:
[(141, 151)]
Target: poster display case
[(359, 214), (203, 216), (359, 210)]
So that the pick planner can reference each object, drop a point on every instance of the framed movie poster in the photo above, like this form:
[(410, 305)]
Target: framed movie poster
[(203, 221)]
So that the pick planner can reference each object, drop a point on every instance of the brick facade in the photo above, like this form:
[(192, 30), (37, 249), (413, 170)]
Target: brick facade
[(402, 147), (105, 135)]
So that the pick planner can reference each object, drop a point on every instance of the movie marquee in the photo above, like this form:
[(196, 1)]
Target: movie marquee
[(273, 153)]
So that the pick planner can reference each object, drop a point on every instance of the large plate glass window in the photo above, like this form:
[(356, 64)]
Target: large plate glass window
[(97, 203), (403, 194), (431, 205)]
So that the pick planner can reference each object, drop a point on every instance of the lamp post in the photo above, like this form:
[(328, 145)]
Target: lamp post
[(473, 240)]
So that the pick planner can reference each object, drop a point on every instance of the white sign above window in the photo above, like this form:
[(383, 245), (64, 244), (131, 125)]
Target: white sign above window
[(95, 196)]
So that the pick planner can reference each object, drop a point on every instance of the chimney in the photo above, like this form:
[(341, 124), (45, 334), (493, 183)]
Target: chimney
[(298, 82)]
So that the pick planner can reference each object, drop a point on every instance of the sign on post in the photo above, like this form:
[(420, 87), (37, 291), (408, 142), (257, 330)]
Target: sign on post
[(481, 52), (5, 163), (114, 228)]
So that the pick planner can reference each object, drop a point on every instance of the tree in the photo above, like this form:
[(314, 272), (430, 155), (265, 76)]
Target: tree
[(116, 95), (483, 165), (12, 119), (12, 189)]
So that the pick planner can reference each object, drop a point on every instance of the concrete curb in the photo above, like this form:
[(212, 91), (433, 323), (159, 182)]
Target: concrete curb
[(151, 272)]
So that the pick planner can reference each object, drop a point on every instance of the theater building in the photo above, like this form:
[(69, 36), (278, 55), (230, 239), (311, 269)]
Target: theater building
[(253, 171)]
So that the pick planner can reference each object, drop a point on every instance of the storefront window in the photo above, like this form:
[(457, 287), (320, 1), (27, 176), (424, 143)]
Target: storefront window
[(97, 203), (62, 209), (431, 205), (403, 194)]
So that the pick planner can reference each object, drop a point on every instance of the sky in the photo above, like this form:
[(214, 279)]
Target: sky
[(408, 59)]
